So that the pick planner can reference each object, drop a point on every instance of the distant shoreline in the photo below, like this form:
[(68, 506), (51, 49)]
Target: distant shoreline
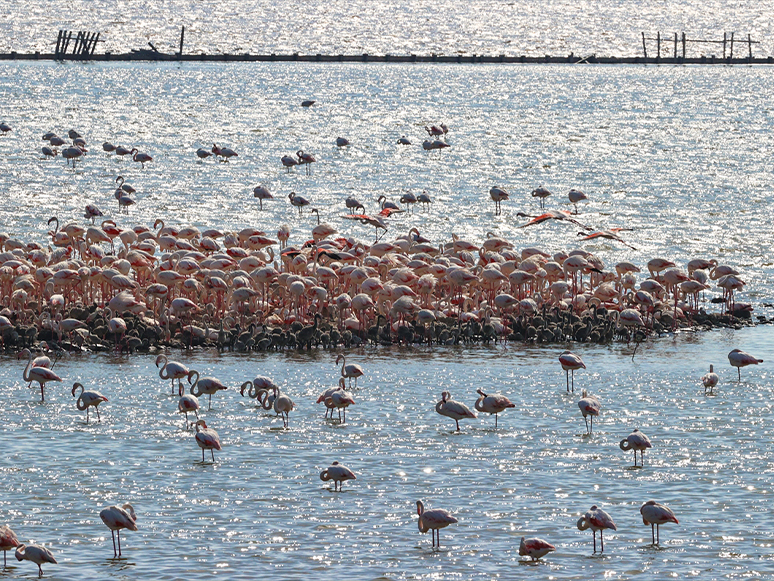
[(149, 55)]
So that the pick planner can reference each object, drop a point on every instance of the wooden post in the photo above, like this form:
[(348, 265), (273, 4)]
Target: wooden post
[(94, 44), (675, 46), (749, 45), (724, 46), (683, 45), (78, 41), (658, 45), (58, 41), (67, 41), (182, 37), (731, 55), (644, 48)]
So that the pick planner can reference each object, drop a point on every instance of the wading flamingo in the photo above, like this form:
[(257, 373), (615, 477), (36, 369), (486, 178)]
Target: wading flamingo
[(589, 406), (433, 520), (117, 518), (738, 358), (570, 362), (453, 409), (349, 371), (657, 514), (8, 541), (207, 439), (338, 473), (596, 519), (535, 548), (35, 553), (492, 404), (636, 441), (710, 380), (87, 399), (172, 370)]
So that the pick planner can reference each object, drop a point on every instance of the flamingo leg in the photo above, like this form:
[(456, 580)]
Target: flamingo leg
[(210, 406), (585, 419), (495, 421), (573, 381), (211, 452), (202, 455), (738, 370), (118, 533), (43, 398), (602, 541), (458, 424), (635, 458), (658, 534), (87, 415), (652, 534), (567, 374), (98, 417)]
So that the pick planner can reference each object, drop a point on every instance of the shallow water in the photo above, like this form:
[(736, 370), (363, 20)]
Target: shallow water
[(679, 154), (261, 506)]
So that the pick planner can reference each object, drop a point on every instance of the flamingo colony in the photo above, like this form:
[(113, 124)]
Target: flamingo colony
[(82, 296)]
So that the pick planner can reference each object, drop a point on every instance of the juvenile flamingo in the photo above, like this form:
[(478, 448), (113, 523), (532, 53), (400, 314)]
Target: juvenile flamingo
[(738, 358), (117, 518), (535, 548), (349, 371), (8, 541), (636, 441), (570, 362), (453, 409), (283, 405), (35, 553), (338, 473), (492, 404), (87, 399), (433, 520), (596, 519), (657, 514), (710, 380)]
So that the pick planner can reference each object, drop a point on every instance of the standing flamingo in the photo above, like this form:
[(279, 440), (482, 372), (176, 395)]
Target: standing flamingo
[(541, 193), (188, 403), (8, 541), (349, 371), (576, 196), (283, 405), (657, 514), (262, 193), (589, 406), (40, 374), (87, 399), (207, 439), (35, 553), (325, 396), (117, 518), (453, 409), (340, 400), (738, 358), (535, 548), (636, 441), (172, 370), (710, 380), (570, 362), (208, 385), (338, 473), (492, 404), (433, 520), (596, 519), (498, 195), (143, 158)]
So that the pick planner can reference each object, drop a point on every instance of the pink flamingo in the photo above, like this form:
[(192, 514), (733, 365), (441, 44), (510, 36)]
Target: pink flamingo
[(535, 548), (172, 370), (207, 439), (117, 518), (492, 404), (589, 406), (738, 358), (570, 362), (87, 399), (338, 473), (40, 374), (657, 514), (8, 541), (433, 520), (596, 519), (453, 409), (636, 441)]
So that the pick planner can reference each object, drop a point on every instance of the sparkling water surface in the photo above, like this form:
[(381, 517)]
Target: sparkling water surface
[(679, 154)]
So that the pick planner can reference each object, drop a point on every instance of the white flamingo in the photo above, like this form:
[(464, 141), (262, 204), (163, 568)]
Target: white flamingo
[(283, 405), (40, 374), (636, 441), (340, 400), (433, 520), (188, 404), (349, 371), (172, 370), (8, 541), (596, 519), (492, 404), (453, 409), (88, 399), (35, 553), (570, 362), (738, 358), (325, 396), (589, 406), (338, 473), (710, 380), (208, 385), (117, 518)]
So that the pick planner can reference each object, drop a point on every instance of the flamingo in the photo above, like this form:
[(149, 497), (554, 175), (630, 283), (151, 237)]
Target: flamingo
[(4, 127), (262, 193), (535, 548), (589, 406), (349, 371), (339, 399), (338, 473), (596, 519), (298, 201), (305, 159), (208, 385), (225, 152), (403, 140), (342, 142), (636, 441), (492, 404), (202, 153), (657, 514), (325, 396), (122, 151), (40, 374), (72, 153), (541, 193), (172, 370), (283, 405), (738, 358), (108, 147), (87, 399), (433, 520), (289, 161), (425, 200), (498, 195), (570, 362), (188, 403), (611, 234), (576, 196), (453, 409), (48, 152), (35, 553), (8, 541), (117, 518), (428, 145), (207, 439), (710, 380), (143, 158), (308, 103)]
